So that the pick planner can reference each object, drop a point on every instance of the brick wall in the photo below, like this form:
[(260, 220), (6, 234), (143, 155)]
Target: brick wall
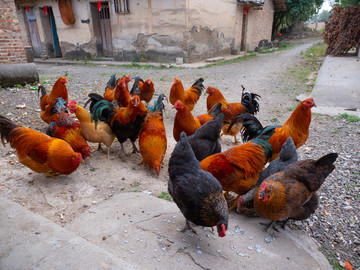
[(11, 46)]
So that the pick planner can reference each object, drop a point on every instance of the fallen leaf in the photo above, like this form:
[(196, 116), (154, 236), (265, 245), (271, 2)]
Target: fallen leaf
[(325, 213), (348, 266), (326, 205), (348, 200), (308, 148), (21, 106), (35, 121)]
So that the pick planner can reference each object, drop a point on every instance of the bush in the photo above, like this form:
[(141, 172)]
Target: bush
[(342, 31)]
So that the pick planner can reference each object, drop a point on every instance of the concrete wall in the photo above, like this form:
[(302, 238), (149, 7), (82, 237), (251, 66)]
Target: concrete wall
[(11, 45), (158, 30)]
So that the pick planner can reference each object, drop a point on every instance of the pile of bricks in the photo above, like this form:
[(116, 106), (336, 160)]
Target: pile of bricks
[(11, 46)]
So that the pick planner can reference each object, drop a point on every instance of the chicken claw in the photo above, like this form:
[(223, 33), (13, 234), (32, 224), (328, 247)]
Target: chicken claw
[(188, 227)]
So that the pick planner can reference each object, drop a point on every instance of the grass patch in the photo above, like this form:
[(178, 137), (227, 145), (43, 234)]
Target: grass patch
[(350, 118), (230, 61), (274, 120), (293, 107), (331, 259), (165, 195)]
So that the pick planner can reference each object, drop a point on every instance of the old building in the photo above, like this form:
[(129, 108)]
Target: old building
[(145, 30)]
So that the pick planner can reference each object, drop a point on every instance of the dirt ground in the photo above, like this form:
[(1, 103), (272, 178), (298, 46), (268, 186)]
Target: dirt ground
[(63, 199)]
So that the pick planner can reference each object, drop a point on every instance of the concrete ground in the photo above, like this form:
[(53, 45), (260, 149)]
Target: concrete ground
[(143, 233)]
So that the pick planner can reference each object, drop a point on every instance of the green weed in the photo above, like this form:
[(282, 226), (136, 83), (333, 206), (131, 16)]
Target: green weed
[(350, 118), (165, 195), (230, 61)]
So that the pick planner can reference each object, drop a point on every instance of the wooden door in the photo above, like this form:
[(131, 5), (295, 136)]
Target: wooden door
[(105, 29), (34, 32), (244, 29)]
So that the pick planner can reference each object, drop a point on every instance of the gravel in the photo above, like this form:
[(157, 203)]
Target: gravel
[(335, 224)]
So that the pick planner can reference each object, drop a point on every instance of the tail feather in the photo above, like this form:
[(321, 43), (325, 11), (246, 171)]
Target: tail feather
[(199, 86), (215, 110), (42, 90), (6, 126), (111, 82), (251, 126), (262, 140), (59, 106), (158, 104), (135, 90), (249, 101), (100, 108)]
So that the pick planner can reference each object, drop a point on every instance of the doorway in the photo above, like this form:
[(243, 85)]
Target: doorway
[(244, 29), (33, 32), (52, 44), (102, 28)]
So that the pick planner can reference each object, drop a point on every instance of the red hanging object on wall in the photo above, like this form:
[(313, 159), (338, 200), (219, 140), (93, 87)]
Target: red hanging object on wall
[(99, 6), (27, 9), (246, 10), (45, 9)]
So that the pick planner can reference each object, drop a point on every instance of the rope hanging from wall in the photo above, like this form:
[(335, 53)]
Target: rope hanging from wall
[(66, 12)]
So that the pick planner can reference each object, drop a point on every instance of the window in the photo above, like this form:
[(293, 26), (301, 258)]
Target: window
[(122, 6)]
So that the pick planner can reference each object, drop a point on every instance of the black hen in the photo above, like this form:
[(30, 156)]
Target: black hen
[(196, 192), (205, 141)]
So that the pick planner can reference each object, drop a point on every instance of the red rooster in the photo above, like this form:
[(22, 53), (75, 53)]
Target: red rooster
[(188, 97), (145, 90)]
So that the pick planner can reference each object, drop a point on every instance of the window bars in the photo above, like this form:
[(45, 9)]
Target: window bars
[(122, 6)]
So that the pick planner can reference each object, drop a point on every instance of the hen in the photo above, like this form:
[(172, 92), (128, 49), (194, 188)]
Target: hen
[(205, 141), (47, 101), (188, 97), (62, 126), (38, 151), (287, 156), (121, 92), (297, 127), (248, 104), (238, 168), (197, 193), (185, 121), (102, 133), (125, 122), (291, 194), (145, 90), (152, 136)]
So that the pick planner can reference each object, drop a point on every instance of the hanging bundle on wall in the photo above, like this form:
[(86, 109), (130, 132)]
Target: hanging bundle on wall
[(45, 10), (28, 9), (99, 6), (66, 12)]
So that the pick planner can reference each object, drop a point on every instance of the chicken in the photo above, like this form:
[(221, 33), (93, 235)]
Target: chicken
[(145, 90), (185, 121), (205, 141), (38, 151), (152, 136), (288, 155), (122, 95), (188, 97), (47, 101), (291, 194), (238, 168), (62, 126), (248, 104), (196, 192), (110, 88), (297, 126), (125, 122), (102, 133)]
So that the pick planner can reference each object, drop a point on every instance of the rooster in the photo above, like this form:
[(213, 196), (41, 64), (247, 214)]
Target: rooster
[(287, 156), (145, 90), (291, 194), (248, 104), (47, 101), (121, 92), (102, 134), (297, 126), (188, 97), (196, 192), (238, 168), (109, 88), (38, 151), (125, 122), (62, 126), (185, 121), (152, 136), (205, 141)]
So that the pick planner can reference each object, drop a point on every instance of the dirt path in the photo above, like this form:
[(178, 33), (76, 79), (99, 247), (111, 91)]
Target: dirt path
[(66, 197)]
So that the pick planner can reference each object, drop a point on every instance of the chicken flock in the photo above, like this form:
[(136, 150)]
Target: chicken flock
[(263, 171)]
